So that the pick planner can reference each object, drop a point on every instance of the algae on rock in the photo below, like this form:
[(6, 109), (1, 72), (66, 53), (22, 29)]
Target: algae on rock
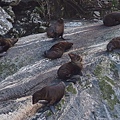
[(106, 83)]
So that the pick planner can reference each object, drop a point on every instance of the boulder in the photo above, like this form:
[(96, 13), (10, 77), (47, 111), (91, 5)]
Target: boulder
[(10, 2), (5, 22)]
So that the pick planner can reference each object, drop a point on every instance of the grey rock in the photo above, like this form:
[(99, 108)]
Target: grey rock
[(23, 70), (5, 24), (10, 12), (11, 2)]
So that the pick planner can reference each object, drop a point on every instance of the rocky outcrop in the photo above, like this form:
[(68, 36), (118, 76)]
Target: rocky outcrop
[(96, 94), (10, 2), (5, 22), (20, 18)]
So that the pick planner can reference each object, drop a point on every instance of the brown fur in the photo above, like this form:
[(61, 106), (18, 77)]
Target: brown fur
[(56, 30), (57, 50), (112, 19), (6, 43), (69, 69), (52, 94), (113, 44)]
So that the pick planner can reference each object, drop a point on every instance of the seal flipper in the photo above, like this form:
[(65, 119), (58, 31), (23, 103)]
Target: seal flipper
[(56, 37), (52, 109), (73, 80)]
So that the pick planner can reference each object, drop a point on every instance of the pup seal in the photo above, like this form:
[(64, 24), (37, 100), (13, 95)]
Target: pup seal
[(6, 43), (113, 44), (56, 30), (57, 50), (69, 69), (52, 94), (112, 19)]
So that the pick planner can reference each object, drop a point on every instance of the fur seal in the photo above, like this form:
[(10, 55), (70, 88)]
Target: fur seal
[(112, 19), (6, 43), (69, 69), (52, 94), (56, 30), (113, 44), (57, 50)]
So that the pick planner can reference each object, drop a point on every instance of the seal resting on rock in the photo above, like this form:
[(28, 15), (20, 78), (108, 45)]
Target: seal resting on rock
[(6, 43), (52, 94), (113, 44), (56, 30), (69, 69), (57, 50), (112, 19)]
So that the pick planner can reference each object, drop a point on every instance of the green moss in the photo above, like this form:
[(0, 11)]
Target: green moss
[(88, 75), (106, 78), (58, 106), (49, 113), (112, 65), (108, 94), (7, 68), (98, 71), (115, 116), (71, 89), (105, 84), (62, 101)]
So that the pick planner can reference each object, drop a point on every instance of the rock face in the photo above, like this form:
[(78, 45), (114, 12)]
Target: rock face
[(96, 94), (20, 18), (10, 2), (5, 24)]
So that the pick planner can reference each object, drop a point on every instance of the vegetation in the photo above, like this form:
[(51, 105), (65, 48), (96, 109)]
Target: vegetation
[(106, 84), (76, 8), (70, 88)]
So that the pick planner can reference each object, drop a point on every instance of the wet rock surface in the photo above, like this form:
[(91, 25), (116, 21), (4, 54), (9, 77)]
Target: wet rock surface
[(95, 95)]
